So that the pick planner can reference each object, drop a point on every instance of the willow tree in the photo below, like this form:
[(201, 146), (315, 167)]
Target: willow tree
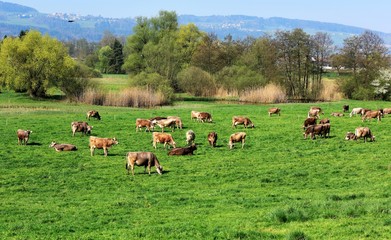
[(34, 63)]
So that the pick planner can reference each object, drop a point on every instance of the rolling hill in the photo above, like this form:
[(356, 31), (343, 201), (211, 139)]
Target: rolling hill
[(65, 26)]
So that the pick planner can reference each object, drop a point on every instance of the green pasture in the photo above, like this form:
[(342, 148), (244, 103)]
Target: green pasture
[(279, 186)]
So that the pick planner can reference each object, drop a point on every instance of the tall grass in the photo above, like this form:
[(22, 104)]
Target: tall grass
[(271, 93), (130, 97), (330, 91)]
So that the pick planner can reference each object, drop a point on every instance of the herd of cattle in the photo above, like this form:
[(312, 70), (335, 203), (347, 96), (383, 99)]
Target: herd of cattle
[(148, 159)]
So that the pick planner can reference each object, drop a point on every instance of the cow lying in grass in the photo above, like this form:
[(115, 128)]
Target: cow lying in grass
[(183, 151), (146, 159), (63, 147)]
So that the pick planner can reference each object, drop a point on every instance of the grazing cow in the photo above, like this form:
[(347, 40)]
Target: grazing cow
[(274, 110), (356, 111), (350, 136), (166, 123), (63, 147), (190, 136), (101, 143), (313, 130), (242, 120), (162, 138), (82, 127), (93, 114), (140, 123), (313, 113), (337, 114), (23, 136), (194, 115), (364, 132), (146, 159), (316, 108), (324, 121), (183, 151), (204, 116), (309, 121), (345, 108), (212, 139), (237, 137), (372, 114), (178, 121), (386, 111)]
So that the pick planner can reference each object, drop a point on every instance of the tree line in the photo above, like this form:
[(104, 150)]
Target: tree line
[(166, 57)]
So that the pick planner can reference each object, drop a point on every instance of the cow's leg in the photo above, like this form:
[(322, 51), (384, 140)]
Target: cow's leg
[(92, 149), (243, 143), (105, 151)]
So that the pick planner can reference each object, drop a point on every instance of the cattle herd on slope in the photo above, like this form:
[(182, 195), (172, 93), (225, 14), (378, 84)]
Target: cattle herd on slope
[(311, 128)]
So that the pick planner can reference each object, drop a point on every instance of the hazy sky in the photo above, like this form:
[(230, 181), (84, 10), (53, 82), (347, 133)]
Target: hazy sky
[(373, 15)]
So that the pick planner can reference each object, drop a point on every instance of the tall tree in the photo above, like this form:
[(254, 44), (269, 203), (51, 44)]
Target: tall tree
[(34, 63), (366, 55), (117, 59), (295, 61)]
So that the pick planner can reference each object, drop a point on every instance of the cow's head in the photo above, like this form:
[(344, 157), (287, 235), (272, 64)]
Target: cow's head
[(159, 169), (89, 128), (97, 115), (52, 144), (115, 141)]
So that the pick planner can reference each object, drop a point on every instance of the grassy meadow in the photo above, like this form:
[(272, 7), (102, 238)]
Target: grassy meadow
[(279, 186)]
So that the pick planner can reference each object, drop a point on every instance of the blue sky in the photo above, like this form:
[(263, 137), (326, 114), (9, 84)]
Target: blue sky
[(373, 15)]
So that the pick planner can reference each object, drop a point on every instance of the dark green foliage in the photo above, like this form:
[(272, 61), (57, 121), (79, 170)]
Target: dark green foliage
[(297, 235)]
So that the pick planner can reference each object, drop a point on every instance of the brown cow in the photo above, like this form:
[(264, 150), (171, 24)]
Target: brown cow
[(313, 130), (140, 123), (204, 116), (237, 137), (101, 143), (146, 159), (386, 111), (183, 151), (178, 121), (155, 119), (194, 115), (372, 114), (364, 132), (337, 114), (212, 139), (274, 110), (162, 138), (82, 127), (63, 147), (309, 121), (242, 120), (23, 136), (317, 108), (93, 114), (345, 108), (171, 123), (190, 136)]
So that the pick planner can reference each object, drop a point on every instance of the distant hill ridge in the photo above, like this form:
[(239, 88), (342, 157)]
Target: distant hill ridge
[(15, 18)]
